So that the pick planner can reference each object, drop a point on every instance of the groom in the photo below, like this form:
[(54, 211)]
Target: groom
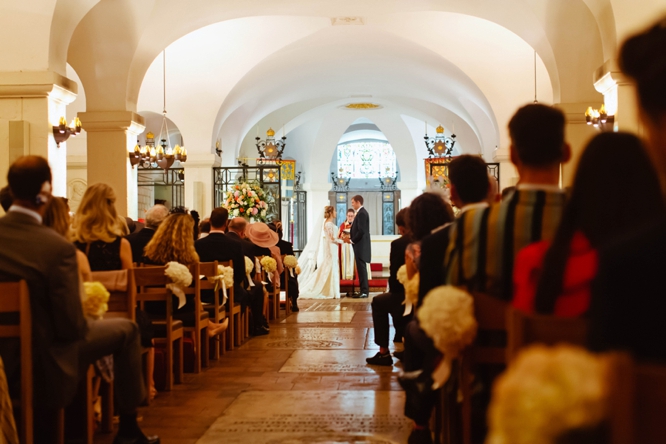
[(360, 239)]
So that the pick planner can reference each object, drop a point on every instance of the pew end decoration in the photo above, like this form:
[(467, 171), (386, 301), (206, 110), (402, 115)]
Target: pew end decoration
[(180, 277), (224, 277), (269, 264), (95, 300), (548, 393), (291, 263), (411, 288), (447, 317)]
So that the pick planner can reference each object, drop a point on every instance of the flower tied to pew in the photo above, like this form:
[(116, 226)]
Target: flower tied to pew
[(180, 277), (95, 300), (447, 317), (270, 265), (225, 277), (411, 288), (249, 266), (291, 263), (547, 393), (297, 270)]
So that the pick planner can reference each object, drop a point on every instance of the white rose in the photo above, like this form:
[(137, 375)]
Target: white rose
[(236, 212)]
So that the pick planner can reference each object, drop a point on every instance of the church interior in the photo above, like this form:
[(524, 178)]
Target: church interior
[(316, 102)]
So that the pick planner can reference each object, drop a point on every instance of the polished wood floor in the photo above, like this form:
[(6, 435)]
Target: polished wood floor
[(305, 382)]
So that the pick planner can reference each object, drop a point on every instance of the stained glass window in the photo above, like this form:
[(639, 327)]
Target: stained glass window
[(363, 160)]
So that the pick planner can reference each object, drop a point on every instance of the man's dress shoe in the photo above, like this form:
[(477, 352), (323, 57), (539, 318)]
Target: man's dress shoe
[(141, 439)]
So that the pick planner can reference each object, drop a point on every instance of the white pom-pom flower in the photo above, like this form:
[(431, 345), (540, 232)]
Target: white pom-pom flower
[(269, 264), (180, 277)]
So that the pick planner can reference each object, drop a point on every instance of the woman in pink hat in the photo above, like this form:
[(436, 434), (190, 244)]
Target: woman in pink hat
[(259, 234)]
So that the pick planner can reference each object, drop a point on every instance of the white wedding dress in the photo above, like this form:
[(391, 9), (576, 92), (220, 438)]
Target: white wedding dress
[(320, 267)]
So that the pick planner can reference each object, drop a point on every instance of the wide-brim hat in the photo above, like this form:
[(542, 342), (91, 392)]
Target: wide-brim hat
[(259, 234)]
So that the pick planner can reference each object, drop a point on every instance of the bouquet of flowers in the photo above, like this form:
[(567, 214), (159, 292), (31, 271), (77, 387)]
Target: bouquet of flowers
[(447, 317), (95, 300), (249, 266), (291, 263), (246, 200), (181, 278), (298, 269), (269, 264), (411, 287), (545, 393), (226, 276)]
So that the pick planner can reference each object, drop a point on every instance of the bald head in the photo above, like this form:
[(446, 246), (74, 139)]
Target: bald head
[(237, 225), (155, 215)]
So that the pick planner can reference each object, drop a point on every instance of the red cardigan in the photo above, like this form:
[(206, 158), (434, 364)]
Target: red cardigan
[(581, 268)]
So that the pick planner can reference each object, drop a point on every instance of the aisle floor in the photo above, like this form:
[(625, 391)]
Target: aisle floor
[(305, 382)]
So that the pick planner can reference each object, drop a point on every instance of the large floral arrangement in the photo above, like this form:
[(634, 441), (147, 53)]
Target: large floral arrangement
[(246, 200), (545, 393), (95, 300), (447, 317), (181, 278)]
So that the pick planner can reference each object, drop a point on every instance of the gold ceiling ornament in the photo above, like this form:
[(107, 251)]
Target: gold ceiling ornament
[(440, 129), (362, 106), (270, 132)]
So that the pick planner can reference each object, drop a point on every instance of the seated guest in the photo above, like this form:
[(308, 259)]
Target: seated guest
[(393, 301), (286, 249), (263, 237), (236, 230), (174, 241), (470, 187), (218, 246), (627, 307), (64, 343), (98, 231), (204, 228), (197, 221), (488, 239), (555, 278), (56, 216), (138, 240)]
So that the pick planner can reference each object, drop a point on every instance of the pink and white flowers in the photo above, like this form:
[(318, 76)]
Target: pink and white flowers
[(246, 200)]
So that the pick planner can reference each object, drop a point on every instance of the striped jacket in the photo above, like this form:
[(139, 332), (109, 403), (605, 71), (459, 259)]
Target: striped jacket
[(483, 242)]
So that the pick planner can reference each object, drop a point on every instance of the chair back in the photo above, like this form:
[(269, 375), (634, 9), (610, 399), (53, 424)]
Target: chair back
[(151, 283), (259, 272), (490, 313), (15, 300), (525, 329), (638, 400), (122, 289)]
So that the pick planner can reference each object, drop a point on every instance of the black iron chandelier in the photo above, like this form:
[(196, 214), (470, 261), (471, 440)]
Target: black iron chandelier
[(440, 145), (271, 148)]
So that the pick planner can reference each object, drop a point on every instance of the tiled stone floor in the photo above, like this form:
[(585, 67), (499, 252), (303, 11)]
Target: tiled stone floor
[(306, 382)]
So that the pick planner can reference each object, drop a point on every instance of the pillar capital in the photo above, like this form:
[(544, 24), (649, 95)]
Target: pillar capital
[(502, 155), (199, 160), (40, 84), (608, 76), (104, 121)]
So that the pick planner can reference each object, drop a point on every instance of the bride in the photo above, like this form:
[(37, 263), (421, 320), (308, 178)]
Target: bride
[(320, 268)]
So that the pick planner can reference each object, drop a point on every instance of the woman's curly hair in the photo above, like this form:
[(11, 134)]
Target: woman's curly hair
[(173, 241)]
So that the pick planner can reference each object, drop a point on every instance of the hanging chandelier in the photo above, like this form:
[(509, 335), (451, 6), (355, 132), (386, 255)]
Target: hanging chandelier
[(440, 145), (598, 117), (270, 148), (162, 155)]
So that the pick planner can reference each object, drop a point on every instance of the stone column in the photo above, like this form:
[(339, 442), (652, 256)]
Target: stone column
[(111, 135), (619, 98), (577, 133), (199, 182), (31, 103), (409, 190)]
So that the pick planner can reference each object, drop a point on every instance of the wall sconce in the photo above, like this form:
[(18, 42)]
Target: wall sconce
[(218, 147), (598, 117), (62, 132)]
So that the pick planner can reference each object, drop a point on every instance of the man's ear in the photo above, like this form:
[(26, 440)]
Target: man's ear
[(454, 193), (566, 153)]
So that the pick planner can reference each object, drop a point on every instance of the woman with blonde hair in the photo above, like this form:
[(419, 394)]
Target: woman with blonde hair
[(174, 241), (97, 230)]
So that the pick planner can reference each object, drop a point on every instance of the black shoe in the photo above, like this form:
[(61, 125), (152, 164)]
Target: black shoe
[(363, 295), (399, 354), (141, 439), (294, 305), (420, 436), (356, 294), (261, 331), (380, 359)]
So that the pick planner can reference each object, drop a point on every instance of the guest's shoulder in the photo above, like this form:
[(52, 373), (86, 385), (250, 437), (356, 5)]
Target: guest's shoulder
[(637, 249)]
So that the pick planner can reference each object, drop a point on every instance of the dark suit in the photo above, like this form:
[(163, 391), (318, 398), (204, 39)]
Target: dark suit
[(287, 248), (431, 269), (64, 344), (360, 238), (138, 241), (391, 302), (628, 307)]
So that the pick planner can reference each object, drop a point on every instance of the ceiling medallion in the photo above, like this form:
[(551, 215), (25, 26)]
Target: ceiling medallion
[(362, 106)]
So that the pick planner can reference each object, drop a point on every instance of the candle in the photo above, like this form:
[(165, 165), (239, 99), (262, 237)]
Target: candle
[(257, 128), (426, 127), (453, 127)]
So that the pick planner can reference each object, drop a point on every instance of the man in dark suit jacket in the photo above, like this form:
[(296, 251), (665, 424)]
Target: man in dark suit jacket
[(139, 240), (391, 302), (287, 249), (255, 294), (64, 343), (360, 239)]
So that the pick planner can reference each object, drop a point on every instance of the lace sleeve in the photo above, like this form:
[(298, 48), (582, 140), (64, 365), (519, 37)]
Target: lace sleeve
[(329, 229)]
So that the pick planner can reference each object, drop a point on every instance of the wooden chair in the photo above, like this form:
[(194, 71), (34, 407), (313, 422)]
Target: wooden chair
[(638, 401), (525, 329), (491, 316), (272, 305), (151, 283), (15, 299), (216, 311), (198, 328)]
